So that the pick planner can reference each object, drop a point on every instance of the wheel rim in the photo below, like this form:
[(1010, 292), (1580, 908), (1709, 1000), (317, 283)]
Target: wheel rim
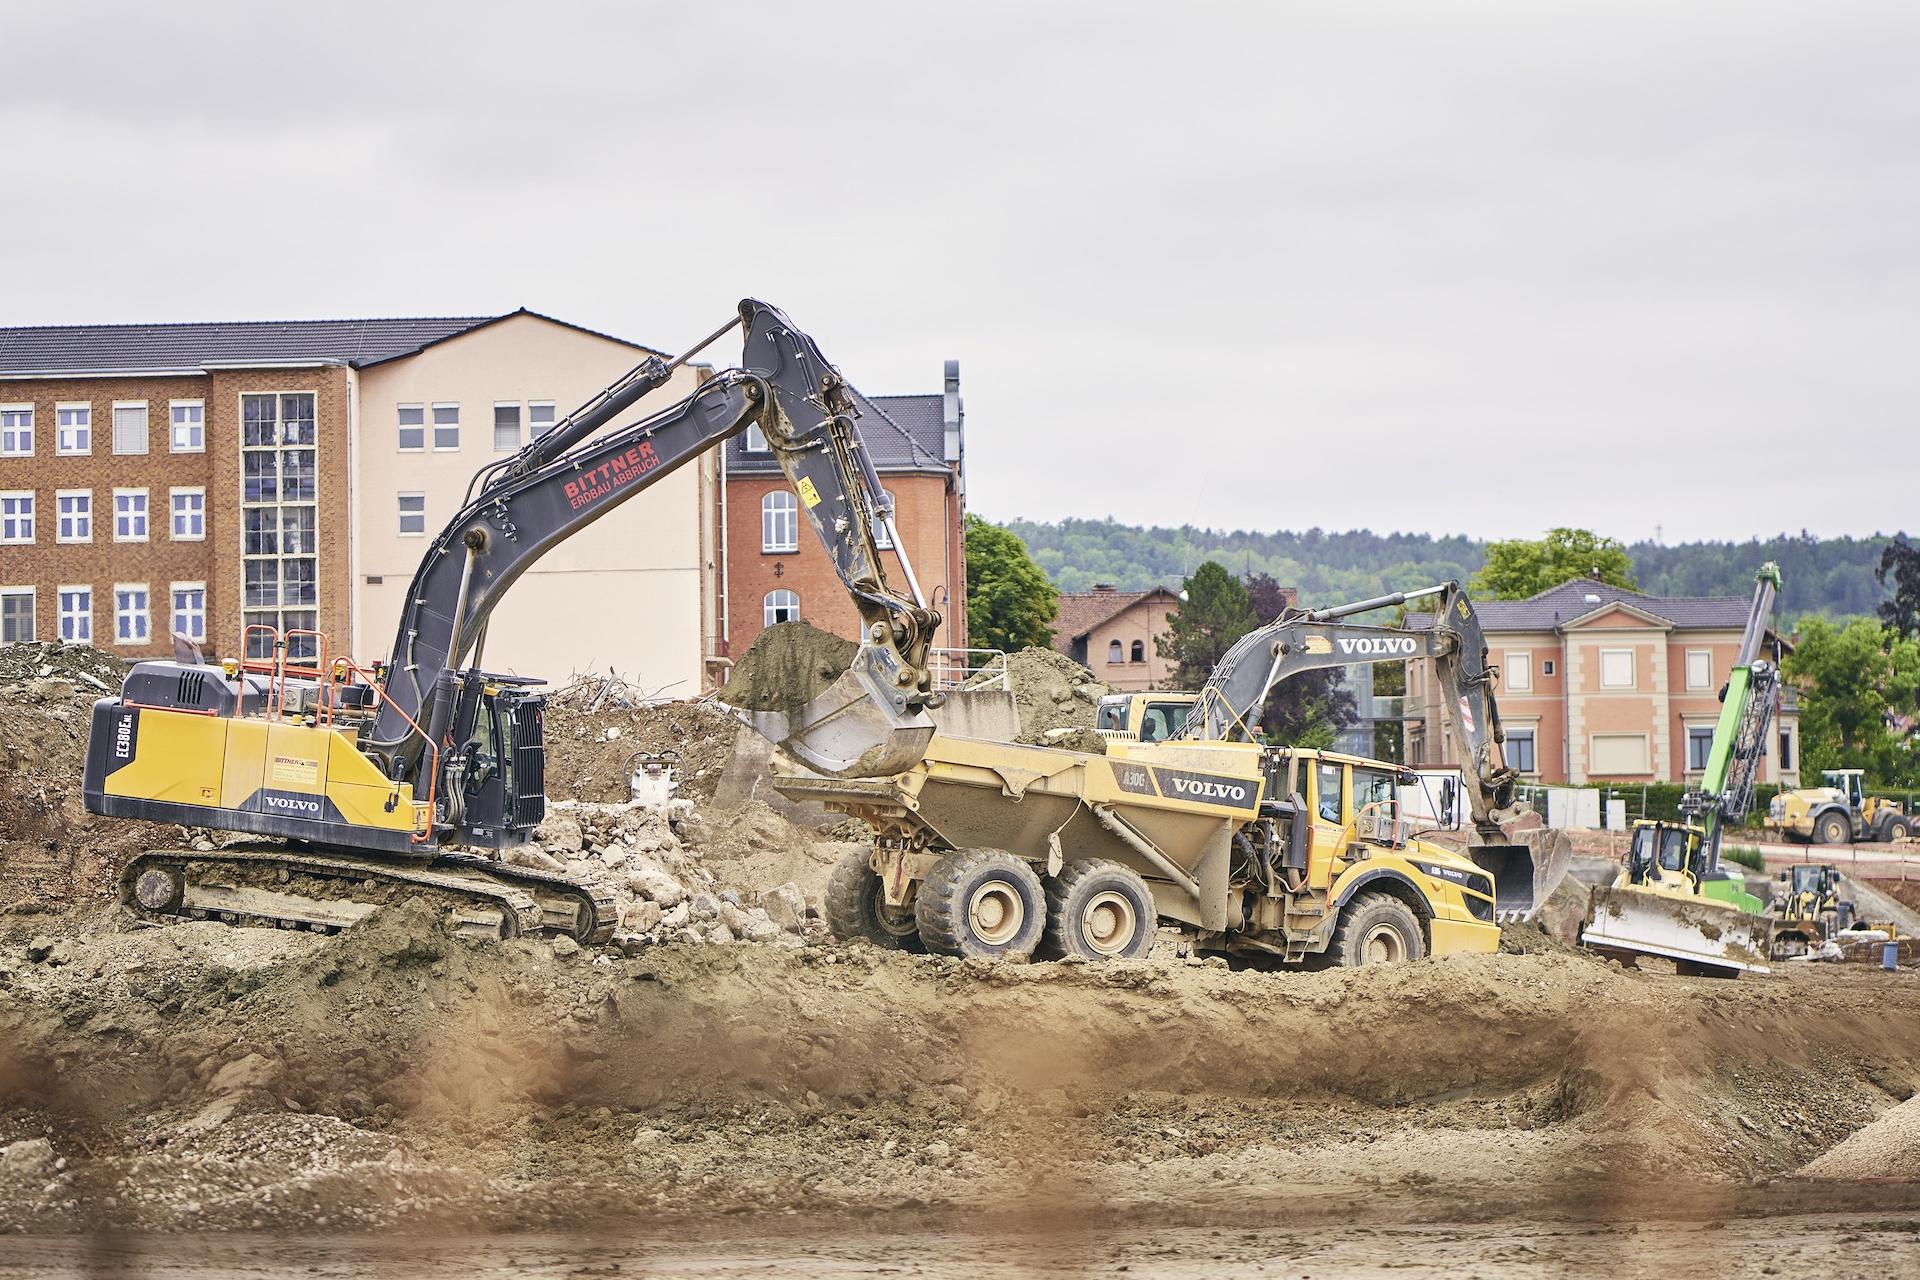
[(995, 913), (1108, 923), (1383, 945), (895, 922)]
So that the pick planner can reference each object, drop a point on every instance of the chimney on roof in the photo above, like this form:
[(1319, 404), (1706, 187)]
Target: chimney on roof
[(953, 414)]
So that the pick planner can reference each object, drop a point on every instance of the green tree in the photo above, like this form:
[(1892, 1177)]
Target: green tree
[(1010, 603), (1851, 676), (1523, 567), (1310, 709), (1900, 561), (1216, 612)]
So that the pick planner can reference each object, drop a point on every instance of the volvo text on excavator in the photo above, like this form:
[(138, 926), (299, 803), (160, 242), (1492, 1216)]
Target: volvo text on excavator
[(375, 784)]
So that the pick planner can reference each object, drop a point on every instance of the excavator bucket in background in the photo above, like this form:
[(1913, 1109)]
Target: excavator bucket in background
[(1524, 873), (1701, 935), (860, 726)]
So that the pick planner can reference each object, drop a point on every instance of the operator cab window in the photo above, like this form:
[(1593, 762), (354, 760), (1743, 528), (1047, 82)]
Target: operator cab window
[(1111, 716), (1327, 784), (1162, 721), (1673, 850)]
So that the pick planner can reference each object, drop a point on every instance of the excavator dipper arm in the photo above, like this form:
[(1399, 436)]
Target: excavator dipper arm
[(564, 481)]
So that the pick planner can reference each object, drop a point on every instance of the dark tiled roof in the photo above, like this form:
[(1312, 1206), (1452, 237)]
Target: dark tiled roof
[(165, 348), (1082, 611), (902, 433), (1559, 605)]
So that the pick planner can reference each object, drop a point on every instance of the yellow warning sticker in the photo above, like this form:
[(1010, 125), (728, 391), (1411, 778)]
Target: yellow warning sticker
[(294, 769), (808, 494)]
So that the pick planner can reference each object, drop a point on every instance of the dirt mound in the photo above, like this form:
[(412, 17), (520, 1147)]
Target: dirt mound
[(1887, 1148), (1056, 698), (588, 746), (786, 667)]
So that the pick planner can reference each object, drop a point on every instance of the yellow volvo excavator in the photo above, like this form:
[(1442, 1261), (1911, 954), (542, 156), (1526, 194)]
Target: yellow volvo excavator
[(373, 784), (993, 849)]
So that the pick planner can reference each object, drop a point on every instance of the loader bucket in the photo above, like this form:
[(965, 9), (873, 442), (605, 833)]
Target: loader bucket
[(860, 726), (1525, 872), (1698, 934)]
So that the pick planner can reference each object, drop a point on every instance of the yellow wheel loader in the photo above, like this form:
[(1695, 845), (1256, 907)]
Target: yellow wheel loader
[(368, 785), (1839, 813), (992, 849)]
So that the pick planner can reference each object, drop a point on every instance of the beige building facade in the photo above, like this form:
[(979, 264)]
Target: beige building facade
[(1115, 635)]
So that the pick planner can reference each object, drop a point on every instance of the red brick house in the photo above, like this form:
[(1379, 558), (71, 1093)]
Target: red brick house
[(775, 569)]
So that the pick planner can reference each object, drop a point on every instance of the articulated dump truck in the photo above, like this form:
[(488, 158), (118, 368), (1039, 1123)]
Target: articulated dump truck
[(995, 849)]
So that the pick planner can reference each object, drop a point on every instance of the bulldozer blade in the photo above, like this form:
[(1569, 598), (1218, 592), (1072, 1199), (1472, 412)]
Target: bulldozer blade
[(1525, 873), (860, 726), (1694, 932)]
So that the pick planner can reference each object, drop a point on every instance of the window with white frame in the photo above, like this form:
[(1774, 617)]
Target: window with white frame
[(1616, 668), (1546, 667), (446, 428), (779, 522), (189, 515), (781, 606), (756, 439), (16, 516), (1699, 669), (189, 419), (130, 427), (1786, 748), (540, 417), (73, 515), (190, 610), (16, 431), (1517, 670), (131, 624), (413, 427), (279, 562), (16, 615), (413, 514), (1116, 652), (506, 427), (129, 515), (73, 429), (1520, 750), (76, 614), (881, 539), (1699, 746)]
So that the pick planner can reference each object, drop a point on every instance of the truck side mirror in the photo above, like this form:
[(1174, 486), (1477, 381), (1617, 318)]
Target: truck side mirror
[(1449, 803)]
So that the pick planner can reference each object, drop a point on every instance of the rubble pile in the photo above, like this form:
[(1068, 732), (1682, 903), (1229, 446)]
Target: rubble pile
[(652, 856), (592, 740), (1055, 696)]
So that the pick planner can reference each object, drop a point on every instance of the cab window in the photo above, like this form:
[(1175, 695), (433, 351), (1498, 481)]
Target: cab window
[(1673, 850), (1372, 787), (1328, 780), (1162, 721), (1110, 716)]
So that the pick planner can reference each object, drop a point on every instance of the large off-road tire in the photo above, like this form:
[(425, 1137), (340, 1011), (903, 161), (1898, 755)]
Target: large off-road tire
[(856, 907), (1376, 928), (1099, 910), (981, 903), (1894, 826), (1832, 827)]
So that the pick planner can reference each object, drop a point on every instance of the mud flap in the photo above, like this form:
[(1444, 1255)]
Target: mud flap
[(1524, 874), (861, 726), (1697, 931)]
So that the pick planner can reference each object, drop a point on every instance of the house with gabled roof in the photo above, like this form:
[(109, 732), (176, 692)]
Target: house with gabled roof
[(1115, 634), (1605, 684), (202, 478)]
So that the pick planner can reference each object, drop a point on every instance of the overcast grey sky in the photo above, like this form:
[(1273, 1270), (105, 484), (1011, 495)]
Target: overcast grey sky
[(1451, 267)]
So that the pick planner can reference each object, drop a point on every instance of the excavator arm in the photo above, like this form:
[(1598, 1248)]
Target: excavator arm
[(565, 480)]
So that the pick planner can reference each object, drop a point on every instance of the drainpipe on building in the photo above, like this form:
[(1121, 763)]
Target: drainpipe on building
[(354, 582)]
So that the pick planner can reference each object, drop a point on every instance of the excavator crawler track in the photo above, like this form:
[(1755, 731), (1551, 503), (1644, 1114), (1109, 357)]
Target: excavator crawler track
[(267, 885)]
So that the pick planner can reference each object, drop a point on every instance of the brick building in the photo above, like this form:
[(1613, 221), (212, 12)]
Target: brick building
[(1113, 634), (1605, 684), (775, 569), (202, 477)]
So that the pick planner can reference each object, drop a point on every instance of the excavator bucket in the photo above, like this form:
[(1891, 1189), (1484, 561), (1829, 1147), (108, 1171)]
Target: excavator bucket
[(1701, 935), (1524, 873), (859, 726)]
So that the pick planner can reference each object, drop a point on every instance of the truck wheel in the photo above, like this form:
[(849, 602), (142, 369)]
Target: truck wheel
[(1832, 828), (1376, 928), (856, 907), (981, 903), (1899, 827), (1099, 910)]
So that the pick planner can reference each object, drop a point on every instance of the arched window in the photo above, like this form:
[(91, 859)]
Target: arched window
[(781, 606), (779, 522), (880, 538), (1139, 650), (1114, 652)]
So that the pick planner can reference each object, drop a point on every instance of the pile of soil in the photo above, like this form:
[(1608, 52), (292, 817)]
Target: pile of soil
[(1887, 1148), (1056, 698), (786, 667), (588, 749)]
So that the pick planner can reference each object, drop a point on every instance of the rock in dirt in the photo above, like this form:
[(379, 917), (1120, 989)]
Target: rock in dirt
[(30, 1157), (786, 667)]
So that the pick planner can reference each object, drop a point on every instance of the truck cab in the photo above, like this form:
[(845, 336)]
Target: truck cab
[(1142, 717)]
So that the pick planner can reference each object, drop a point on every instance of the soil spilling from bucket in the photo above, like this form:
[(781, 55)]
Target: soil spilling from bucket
[(786, 667)]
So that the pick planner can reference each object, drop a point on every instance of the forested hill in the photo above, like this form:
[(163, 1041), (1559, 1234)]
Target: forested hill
[(1833, 576)]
